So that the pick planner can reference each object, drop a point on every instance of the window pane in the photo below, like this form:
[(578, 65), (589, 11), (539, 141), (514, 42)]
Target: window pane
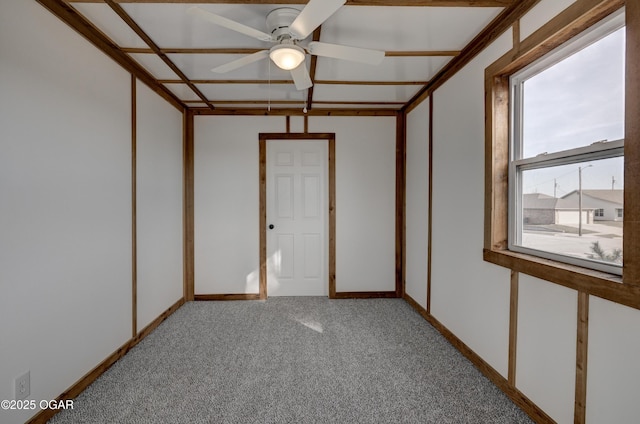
[(577, 101), (550, 210)]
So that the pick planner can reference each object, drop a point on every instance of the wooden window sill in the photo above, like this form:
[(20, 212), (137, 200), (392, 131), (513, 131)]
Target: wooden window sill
[(597, 283)]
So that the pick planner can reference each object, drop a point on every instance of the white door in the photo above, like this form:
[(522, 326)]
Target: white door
[(297, 198)]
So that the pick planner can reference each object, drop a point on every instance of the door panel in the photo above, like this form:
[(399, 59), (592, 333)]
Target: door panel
[(297, 199), (284, 255), (312, 255), (284, 196), (311, 201)]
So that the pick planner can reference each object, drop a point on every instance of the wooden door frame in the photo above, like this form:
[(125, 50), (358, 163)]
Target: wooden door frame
[(331, 139)]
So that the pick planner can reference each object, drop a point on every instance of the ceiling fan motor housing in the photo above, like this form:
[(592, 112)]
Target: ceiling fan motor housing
[(279, 20)]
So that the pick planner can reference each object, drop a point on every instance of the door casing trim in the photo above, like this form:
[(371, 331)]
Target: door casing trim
[(331, 140)]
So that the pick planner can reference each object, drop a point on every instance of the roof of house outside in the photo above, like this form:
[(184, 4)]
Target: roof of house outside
[(544, 201), (613, 196), (538, 201)]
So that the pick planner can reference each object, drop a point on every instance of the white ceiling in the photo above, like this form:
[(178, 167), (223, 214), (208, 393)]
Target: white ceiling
[(395, 29)]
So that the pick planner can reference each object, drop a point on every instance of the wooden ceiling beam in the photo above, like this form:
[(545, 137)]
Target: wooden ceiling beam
[(487, 36), (279, 82), (514, 9), (143, 35), (294, 102), (258, 102), (312, 69), (223, 50), (421, 53), (231, 50), (336, 82), (210, 81), (296, 112), (356, 102), (415, 3), (72, 18)]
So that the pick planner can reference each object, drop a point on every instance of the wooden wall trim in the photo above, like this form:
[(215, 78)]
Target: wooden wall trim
[(530, 408), (295, 112), (134, 208), (263, 138), (332, 217), (496, 28), (401, 177), (582, 340), (515, 28), (72, 392), (430, 205), (85, 381), (296, 136), (262, 227), (366, 295), (574, 19), (631, 241), (156, 322), (230, 296), (594, 283), (188, 214), (496, 158)]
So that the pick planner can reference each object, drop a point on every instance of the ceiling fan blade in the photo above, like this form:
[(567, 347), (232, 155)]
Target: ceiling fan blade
[(313, 15), (229, 24), (354, 54), (238, 63), (301, 77)]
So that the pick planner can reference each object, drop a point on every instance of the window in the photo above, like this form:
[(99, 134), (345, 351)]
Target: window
[(619, 213), (566, 151)]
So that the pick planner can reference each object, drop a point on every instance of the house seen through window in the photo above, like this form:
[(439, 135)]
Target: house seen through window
[(566, 167)]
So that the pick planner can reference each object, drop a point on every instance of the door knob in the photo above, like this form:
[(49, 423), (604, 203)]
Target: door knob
[(271, 226)]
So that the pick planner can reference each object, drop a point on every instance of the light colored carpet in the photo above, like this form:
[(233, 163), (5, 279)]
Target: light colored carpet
[(293, 360)]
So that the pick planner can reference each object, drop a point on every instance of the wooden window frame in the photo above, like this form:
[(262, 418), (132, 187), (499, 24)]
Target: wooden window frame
[(572, 21)]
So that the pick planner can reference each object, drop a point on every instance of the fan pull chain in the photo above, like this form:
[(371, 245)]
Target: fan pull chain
[(269, 89)]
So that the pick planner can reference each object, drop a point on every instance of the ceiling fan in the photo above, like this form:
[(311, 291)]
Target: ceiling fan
[(287, 28)]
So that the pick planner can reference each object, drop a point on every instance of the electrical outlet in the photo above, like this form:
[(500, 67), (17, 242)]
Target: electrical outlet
[(22, 386)]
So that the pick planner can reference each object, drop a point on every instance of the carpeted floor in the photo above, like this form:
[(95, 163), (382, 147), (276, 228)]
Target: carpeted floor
[(293, 360)]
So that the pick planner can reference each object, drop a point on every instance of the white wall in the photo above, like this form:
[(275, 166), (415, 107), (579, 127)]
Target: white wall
[(541, 13), (65, 185), (365, 200), (226, 201), (613, 374), (546, 346), (159, 205), (65, 250), (65, 190), (469, 296), (417, 203)]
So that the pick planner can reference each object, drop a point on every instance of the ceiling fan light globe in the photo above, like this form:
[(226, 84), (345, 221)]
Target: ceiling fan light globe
[(287, 57)]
